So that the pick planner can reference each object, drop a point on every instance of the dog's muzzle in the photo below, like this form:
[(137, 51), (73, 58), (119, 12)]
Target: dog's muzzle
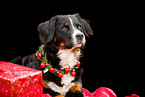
[(78, 37)]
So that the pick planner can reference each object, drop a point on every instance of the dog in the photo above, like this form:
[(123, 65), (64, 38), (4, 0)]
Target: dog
[(64, 39)]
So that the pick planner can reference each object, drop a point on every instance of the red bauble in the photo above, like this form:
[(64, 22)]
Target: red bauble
[(39, 55), (52, 70), (42, 65), (78, 64), (73, 73), (60, 74), (66, 70)]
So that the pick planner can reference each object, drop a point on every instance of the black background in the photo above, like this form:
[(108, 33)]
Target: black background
[(112, 56)]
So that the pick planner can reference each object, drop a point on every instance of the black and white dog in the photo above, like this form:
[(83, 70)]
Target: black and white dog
[(64, 37)]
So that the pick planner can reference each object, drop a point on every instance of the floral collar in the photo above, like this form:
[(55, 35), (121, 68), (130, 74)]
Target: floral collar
[(42, 56)]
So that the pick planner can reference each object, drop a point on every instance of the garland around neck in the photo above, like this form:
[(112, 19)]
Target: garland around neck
[(42, 56)]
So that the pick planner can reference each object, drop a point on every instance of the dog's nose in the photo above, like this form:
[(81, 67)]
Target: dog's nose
[(79, 36)]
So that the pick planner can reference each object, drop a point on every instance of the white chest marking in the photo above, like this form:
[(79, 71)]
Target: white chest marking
[(66, 80), (68, 59)]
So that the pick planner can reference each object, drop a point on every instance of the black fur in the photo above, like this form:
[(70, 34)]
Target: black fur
[(47, 31), (76, 94)]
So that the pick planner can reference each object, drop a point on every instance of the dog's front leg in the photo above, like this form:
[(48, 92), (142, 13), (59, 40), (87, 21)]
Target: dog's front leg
[(75, 91), (46, 89)]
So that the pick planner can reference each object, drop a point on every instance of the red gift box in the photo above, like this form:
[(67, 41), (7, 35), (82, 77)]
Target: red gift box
[(19, 81)]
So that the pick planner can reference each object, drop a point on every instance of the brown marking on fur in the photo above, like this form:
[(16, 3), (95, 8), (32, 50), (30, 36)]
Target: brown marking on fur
[(45, 83), (66, 24), (54, 39), (77, 87), (60, 95), (61, 45)]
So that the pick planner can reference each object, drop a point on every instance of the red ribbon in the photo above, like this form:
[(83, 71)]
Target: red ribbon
[(133, 95)]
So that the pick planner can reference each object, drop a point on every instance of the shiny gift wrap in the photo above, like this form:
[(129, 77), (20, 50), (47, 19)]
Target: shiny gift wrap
[(19, 81)]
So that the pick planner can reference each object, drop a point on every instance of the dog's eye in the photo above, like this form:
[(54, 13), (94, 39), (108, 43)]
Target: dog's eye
[(65, 28), (78, 26)]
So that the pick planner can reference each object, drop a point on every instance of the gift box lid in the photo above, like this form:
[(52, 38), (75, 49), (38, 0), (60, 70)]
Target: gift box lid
[(11, 71)]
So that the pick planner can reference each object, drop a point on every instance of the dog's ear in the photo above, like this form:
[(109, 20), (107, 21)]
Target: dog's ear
[(85, 25), (46, 30)]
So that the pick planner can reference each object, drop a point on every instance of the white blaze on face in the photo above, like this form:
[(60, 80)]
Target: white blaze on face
[(75, 32)]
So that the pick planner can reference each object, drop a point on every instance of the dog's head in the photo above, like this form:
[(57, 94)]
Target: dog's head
[(65, 31)]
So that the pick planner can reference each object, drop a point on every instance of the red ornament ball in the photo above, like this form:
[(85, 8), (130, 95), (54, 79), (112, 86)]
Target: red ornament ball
[(42, 65), (78, 64), (39, 55), (52, 70), (66, 70), (73, 73), (60, 74)]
